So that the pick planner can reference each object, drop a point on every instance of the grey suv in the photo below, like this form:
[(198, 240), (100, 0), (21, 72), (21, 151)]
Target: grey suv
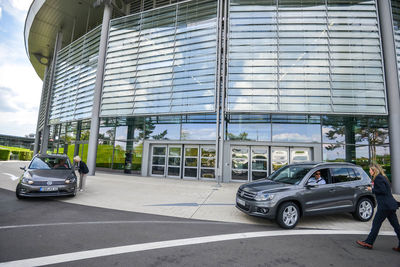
[(292, 192)]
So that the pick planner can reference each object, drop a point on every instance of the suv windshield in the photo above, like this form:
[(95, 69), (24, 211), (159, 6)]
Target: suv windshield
[(290, 174), (47, 163)]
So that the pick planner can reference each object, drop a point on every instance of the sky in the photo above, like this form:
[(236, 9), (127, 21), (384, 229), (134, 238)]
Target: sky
[(20, 86)]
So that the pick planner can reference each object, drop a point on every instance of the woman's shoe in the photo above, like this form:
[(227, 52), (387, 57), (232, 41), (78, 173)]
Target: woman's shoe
[(396, 249), (364, 244)]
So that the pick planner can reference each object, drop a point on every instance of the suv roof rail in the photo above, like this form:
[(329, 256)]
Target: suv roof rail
[(341, 163)]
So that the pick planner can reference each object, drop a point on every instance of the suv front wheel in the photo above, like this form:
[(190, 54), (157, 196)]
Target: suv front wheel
[(364, 210), (288, 215)]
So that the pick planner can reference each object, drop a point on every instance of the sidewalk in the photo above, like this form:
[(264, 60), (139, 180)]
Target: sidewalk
[(189, 199)]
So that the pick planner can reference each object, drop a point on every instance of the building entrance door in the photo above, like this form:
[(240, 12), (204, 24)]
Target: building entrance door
[(250, 163), (183, 161)]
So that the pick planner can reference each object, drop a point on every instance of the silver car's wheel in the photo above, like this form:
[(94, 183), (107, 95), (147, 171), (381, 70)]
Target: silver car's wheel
[(364, 210), (288, 215)]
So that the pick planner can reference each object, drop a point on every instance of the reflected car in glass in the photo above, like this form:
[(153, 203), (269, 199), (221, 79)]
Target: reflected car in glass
[(292, 192), (47, 175)]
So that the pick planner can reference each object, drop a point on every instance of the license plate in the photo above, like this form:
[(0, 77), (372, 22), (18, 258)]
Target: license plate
[(241, 202), (48, 188)]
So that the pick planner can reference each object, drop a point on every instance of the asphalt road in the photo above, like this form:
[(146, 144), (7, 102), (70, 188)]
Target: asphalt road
[(34, 228)]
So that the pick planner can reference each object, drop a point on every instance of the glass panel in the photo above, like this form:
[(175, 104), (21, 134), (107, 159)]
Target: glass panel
[(334, 152), (159, 150), (342, 75), (279, 158), (259, 165), (74, 78), (173, 171), (191, 172), (191, 152), (259, 153), (240, 153), (298, 155), (162, 61), (157, 170), (191, 162), (158, 160), (104, 155), (240, 164), (240, 175), (208, 152), (201, 131), (207, 173), (205, 162), (258, 175), (174, 161), (174, 151)]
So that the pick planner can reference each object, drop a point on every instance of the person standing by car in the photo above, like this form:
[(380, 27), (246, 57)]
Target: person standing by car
[(387, 207), (83, 170)]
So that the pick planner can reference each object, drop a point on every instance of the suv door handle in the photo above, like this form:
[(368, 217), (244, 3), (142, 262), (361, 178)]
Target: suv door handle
[(332, 190)]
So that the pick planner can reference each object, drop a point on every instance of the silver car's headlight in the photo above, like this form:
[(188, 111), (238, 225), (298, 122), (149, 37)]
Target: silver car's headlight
[(264, 196), (27, 181), (70, 180)]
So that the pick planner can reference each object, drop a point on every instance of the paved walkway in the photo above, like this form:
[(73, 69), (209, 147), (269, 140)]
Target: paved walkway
[(203, 200)]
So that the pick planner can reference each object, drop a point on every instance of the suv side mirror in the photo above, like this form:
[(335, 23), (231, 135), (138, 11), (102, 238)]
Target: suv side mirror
[(23, 168)]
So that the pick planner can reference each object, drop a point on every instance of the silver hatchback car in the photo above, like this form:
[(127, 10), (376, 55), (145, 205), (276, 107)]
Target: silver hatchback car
[(308, 189), (47, 175)]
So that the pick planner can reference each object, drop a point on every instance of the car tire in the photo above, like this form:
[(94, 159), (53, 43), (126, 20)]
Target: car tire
[(364, 210), (17, 192), (288, 215)]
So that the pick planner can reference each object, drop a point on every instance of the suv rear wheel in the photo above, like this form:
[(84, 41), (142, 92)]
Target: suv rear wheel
[(288, 215), (364, 210)]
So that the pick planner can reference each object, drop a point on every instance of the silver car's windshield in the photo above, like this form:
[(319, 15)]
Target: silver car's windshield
[(47, 163), (290, 174)]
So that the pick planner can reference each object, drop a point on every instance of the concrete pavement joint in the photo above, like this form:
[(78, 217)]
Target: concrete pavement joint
[(211, 192)]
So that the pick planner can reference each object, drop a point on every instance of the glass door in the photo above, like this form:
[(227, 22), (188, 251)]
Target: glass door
[(279, 157), (300, 154), (259, 162), (191, 162), (158, 162), (240, 163), (207, 162), (174, 161)]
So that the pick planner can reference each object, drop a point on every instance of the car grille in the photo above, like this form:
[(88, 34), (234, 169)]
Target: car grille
[(45, 183), (246, 195)]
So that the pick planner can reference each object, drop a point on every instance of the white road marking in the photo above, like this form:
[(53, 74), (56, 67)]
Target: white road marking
[(95, 253), (12, 176)]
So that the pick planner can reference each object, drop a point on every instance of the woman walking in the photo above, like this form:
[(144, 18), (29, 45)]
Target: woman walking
[(387, 207)]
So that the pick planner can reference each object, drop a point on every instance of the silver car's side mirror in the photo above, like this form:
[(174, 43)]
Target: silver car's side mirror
[(311, 186), (23, 168)]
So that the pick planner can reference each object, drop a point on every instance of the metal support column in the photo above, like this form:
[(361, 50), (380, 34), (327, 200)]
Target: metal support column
[(38, 130), (392, 88), (46, 130), (95, 121)]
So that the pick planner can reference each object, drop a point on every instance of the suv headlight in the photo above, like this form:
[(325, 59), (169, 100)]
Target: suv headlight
[(264, 196)]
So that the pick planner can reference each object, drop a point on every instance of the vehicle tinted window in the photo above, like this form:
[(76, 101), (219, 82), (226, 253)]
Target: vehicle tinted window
[(290, 174), (40, 163), (341, 175)]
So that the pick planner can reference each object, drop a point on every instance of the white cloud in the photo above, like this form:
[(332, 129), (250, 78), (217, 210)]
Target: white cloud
[(22, 5), (0, 11), (16, 8)]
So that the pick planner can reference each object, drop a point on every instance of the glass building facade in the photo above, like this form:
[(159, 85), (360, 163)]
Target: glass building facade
[(195, 89)]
